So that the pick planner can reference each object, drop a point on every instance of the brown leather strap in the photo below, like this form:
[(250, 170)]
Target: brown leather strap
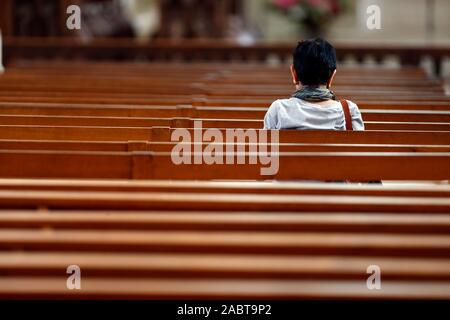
[(348, 117)]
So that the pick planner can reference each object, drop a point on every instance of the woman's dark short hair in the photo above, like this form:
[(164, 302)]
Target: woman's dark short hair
[(314, 61)]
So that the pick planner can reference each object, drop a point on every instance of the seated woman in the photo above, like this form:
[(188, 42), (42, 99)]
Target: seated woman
[(313, 106)]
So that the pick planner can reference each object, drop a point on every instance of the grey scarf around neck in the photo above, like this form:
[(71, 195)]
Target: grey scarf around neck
[(314, 94)]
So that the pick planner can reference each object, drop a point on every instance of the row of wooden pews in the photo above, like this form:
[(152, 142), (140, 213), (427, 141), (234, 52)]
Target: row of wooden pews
[(87, 178)]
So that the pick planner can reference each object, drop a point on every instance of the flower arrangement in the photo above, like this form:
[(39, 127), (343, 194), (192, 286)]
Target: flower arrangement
[(312, 15)]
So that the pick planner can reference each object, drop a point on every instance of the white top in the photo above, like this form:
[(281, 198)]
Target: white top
[(298, 114)]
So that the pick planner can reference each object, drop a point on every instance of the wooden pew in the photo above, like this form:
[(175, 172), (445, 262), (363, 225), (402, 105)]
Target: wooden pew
[(282, 243), (170, 100), (164, 134), (292, 166), (258, 92), (238, 203), (246, 266), (185, 122), (266, 254), (255, 113), (266, 187), (169, 146), (211, 288), (246, 72), (411, 223), (162, 239), (196, 80), (240, 112), (205, 50), (363, 102), (143, 263), (135, 88)]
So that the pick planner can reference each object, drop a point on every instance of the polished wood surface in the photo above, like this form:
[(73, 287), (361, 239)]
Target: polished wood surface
[(140, 226)]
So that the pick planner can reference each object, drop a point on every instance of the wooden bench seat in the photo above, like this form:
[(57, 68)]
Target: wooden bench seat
[(255, 113), (169, 146), (185, 122), (180, 84), (210, 288), (266, 187), (164, 83), (283, 243), (200, 100), (140, 226), (363, 102), (135, 88), (20, 199), (415, 223), (163, 134), (248, 72), (154, 82), (358, 166), (201, 266), (185, 94), (238, 112)]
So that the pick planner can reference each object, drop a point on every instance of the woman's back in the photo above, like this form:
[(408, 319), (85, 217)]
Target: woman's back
[(313, 106), (300, 114)]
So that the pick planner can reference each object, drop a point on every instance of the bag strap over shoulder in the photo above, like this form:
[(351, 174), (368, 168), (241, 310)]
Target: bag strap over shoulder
[(348, 116)]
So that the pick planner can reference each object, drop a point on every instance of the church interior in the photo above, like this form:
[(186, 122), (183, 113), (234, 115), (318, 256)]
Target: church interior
[(135, 162)]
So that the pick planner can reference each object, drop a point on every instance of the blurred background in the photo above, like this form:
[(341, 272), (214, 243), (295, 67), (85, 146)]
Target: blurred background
[(265, 30), (405, 21)]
